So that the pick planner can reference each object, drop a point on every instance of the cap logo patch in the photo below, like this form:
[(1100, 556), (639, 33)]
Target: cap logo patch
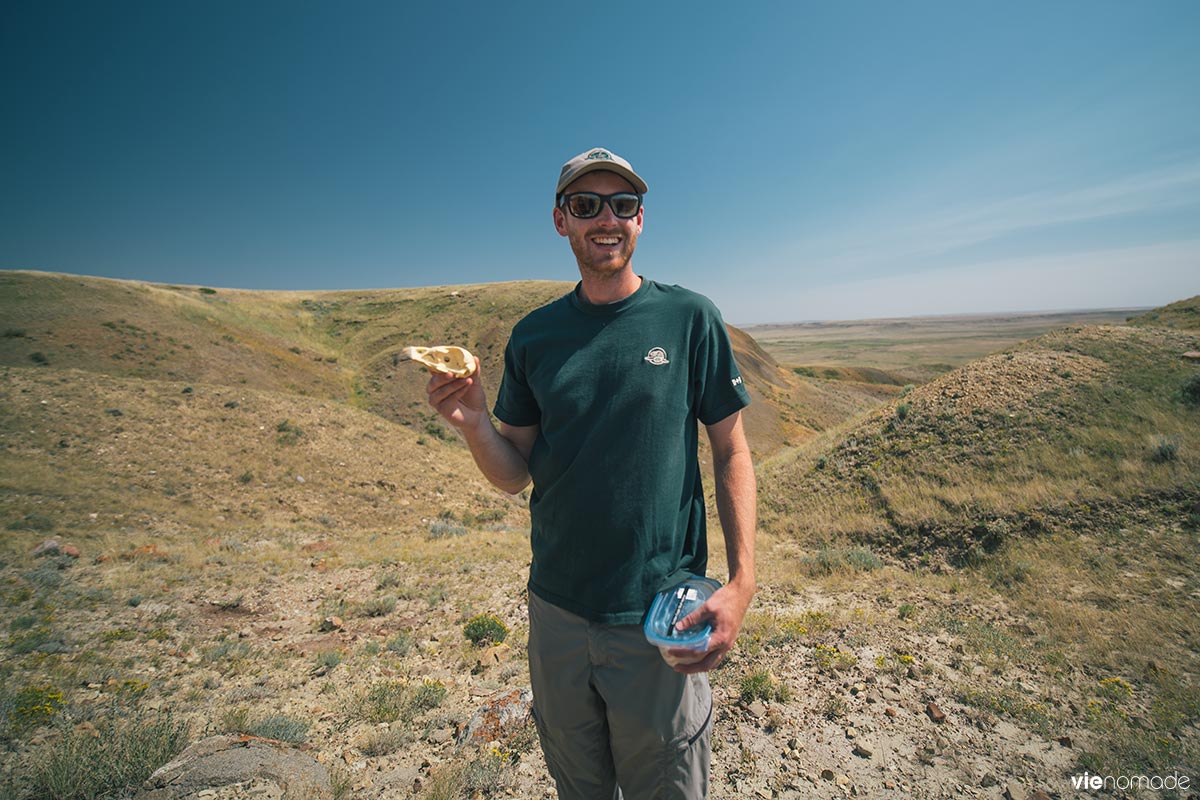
[(657, 356), (601, 155)]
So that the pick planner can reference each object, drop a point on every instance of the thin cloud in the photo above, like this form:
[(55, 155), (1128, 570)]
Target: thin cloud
[(1095, 279), (901, 242)]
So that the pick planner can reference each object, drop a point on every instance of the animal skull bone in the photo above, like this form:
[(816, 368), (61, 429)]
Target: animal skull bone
[(445, 359)]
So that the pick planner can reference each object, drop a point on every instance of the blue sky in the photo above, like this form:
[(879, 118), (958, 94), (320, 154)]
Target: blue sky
[(805, 160)]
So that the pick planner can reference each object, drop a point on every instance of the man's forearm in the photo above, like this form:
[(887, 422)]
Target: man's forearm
[(499, 459), (737, 498)]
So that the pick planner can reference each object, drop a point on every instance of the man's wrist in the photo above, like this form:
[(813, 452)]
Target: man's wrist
[(744, 583)]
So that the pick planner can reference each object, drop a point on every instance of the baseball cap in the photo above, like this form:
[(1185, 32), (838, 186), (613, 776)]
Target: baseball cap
[(595, 159)]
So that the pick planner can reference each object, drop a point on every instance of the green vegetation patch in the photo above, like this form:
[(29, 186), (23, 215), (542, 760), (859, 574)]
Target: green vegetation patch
[(485, 629)]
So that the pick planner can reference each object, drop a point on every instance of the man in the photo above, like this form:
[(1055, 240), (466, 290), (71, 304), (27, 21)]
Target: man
[(598, 406)]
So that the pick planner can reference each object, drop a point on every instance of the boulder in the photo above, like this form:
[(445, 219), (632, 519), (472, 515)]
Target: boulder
[(235, 767), (499, 718)]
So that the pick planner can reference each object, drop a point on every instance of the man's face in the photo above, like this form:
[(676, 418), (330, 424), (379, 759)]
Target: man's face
[(604, 244)]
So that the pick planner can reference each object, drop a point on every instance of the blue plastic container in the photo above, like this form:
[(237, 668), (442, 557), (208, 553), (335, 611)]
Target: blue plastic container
[(673, 605)]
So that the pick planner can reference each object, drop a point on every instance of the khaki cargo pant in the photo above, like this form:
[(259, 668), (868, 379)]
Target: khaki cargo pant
[(615, 722)]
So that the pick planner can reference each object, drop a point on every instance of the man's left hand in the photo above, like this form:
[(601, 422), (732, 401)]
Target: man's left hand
[(725, 610)]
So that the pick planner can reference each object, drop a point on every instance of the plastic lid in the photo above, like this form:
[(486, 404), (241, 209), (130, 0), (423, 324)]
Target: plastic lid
[(673, 605)]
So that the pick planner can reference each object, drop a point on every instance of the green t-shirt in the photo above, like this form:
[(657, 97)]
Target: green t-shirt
[(617, 506)]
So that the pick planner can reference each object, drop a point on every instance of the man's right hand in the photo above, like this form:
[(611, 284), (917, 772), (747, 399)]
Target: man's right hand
[(502, 456), (460, 401)]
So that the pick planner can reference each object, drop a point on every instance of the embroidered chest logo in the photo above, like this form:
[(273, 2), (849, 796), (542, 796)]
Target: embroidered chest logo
[(657, 356)]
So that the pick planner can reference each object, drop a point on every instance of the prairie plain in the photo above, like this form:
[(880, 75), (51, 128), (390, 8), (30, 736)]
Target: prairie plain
[(913, 349), (230, 512)]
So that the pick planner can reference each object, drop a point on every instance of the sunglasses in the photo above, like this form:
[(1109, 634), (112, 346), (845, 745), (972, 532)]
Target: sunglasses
[(585, 205)]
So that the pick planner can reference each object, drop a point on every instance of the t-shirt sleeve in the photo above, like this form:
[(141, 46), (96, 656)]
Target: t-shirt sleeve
[(515, 403), (720, 390)]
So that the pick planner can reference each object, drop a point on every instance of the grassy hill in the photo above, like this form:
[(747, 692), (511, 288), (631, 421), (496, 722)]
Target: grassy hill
[(338, 346), (1060, 479), (276, 535), (1074, 419), (1182, 314)]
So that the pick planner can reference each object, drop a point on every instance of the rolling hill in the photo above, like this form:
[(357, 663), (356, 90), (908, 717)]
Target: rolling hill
[(983, 584), (154, 404)]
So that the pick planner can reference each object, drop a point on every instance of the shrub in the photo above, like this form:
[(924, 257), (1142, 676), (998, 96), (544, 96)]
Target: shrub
[(401, 643), (281, 728), (444, 528), (1189, 393), (831, 659), (902, 411), (428, 695), (439, 432), (32, 706), (379, 606), (383, 701), (389, 580), (760, 684), (107, 759), (484, 629), (32, 522), (230, 651), (329, 659), (488, 774), (289, 433), (39, 358), (829, 560), (834, 707), (1163, 449), (382, 742)]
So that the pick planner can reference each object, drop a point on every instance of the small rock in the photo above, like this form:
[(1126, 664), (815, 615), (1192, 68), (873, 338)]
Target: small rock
[(827, 774), (935, 713), (851, 733), (1065, 741), (1191, 355), (1039, 795), (332, 624), (441, 736), (1014, 792), (757, 709), (862, 750), (842, 780), (50, 547), (300, 479), (70, 550), (114, 412), (891, 712), (496, 654)]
